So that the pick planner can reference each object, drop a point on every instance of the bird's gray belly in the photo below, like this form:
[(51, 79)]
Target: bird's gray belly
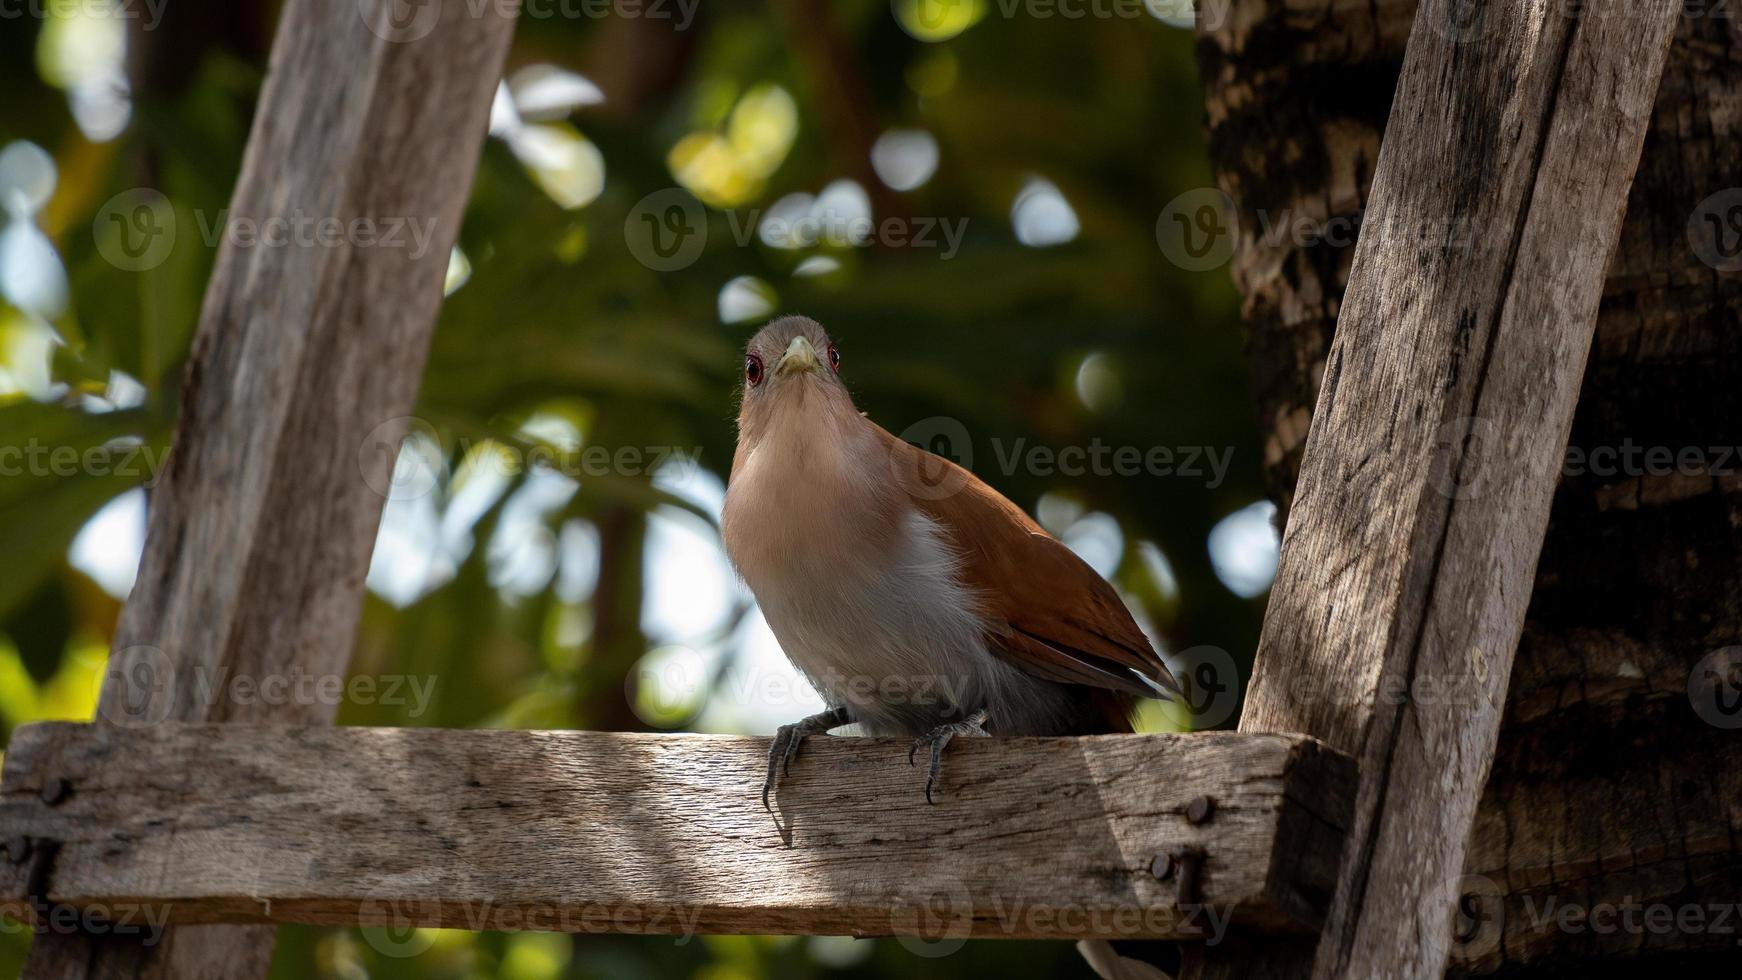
[(903, 649), (908, 669)]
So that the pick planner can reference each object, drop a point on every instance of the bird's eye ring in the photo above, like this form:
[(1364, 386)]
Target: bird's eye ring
[(835, 358), (753, 369)]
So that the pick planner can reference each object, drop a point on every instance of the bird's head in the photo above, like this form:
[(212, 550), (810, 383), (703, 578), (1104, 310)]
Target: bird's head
[(792, 375)]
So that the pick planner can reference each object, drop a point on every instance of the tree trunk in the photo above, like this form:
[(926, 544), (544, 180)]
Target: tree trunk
[(1616, 781)]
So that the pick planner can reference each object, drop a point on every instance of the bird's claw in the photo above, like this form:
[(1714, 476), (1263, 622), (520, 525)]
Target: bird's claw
[(777, 760), (939, 737), (787, 739)]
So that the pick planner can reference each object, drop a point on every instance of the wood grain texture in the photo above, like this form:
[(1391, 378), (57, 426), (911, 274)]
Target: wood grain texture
[(1607, 787), (592, 831), (261, 531), (1610, 787), (1436, 444)]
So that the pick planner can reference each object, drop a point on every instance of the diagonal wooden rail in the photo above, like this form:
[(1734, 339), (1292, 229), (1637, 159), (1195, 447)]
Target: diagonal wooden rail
[(1436, 445), (261, 531), (1156, 836)]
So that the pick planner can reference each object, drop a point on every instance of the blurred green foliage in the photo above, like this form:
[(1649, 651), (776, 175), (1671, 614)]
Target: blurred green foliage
[(556, 332)]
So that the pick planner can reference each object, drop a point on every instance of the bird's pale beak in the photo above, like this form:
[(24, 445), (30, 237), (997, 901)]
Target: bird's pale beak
[(799, 356)]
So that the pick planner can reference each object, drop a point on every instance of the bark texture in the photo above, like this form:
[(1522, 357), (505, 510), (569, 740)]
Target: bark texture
[(1616, 782)]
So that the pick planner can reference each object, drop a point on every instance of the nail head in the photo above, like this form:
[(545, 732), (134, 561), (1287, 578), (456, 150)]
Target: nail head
[(1200, 810)]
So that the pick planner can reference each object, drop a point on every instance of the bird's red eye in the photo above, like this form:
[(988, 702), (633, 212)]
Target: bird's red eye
[(834, 358), (753, 369)]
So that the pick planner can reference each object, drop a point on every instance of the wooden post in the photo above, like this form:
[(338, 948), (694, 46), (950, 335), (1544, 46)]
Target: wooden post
[(614, 832), (1434, 451), (261, 531)]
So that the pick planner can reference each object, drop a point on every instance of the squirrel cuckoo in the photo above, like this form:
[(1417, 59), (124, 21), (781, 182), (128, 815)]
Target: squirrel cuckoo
[(917, 599)]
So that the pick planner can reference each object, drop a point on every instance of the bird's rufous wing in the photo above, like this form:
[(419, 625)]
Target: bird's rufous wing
[(1048, 612)]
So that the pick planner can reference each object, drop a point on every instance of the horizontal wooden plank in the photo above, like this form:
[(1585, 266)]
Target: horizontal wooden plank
[(591, 831)]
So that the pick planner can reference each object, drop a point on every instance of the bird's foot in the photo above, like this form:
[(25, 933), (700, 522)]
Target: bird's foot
[(939, 737), (787, 739)]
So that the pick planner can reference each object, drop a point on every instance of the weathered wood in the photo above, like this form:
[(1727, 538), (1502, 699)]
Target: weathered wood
[(1436, 444), (592, 831), (1608, 789), (261, 530)]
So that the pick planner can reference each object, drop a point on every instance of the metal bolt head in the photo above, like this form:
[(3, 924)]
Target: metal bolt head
[(55, 791), (1200, 810), (1162, 866)]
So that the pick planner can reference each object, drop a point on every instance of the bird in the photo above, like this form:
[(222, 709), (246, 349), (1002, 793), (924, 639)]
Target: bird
[(914, 597)]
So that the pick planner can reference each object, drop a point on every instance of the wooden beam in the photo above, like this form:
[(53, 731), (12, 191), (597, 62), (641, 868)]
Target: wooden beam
[(1608, 789), (1435, 447), (261, 531), (593, 831)]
